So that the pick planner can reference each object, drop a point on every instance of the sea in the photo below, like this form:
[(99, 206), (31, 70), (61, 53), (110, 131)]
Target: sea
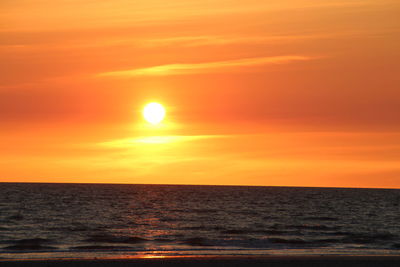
[(49, 221)]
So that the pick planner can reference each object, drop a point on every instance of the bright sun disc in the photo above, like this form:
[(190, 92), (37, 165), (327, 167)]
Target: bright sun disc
[(154, 113)]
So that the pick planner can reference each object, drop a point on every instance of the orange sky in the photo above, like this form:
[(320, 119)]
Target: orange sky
[(289, 92)]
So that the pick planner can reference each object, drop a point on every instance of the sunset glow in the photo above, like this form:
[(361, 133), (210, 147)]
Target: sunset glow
[(274, 93)]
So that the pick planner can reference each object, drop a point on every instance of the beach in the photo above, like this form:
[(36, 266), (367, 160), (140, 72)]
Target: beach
[(271, 261)]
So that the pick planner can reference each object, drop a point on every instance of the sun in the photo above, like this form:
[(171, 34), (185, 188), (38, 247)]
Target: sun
[(154, 113)]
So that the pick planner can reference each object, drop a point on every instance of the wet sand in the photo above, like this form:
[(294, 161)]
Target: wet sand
[(271, 261)]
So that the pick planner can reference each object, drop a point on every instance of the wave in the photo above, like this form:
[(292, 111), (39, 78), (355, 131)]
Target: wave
[(100, 247), (257, 232), (235, 232), (396, 245), (196, 241), (106, 238), (315, 227), (296, 241), (69, 229), (164, 240), (15, 217), (31, 244), (204, 211), (331, 219), (368, 238)]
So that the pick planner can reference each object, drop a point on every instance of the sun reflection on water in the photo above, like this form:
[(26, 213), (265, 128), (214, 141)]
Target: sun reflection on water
[(148, 256)]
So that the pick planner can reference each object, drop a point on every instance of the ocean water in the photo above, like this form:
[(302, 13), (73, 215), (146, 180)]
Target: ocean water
[(88, 220)]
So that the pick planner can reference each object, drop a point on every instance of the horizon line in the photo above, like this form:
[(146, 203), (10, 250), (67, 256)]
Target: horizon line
[(221, 185)]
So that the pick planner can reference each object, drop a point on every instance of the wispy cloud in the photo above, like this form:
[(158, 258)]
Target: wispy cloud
[(168, 139), (223, 40), (205, 40), (205, 67), (148, 42)]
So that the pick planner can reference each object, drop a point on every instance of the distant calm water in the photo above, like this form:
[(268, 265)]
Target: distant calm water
[(82, 220)]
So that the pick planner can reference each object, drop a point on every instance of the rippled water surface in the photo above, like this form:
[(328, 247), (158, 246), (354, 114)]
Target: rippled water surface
[(83, 220)]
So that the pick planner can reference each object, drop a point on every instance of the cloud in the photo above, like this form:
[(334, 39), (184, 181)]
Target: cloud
[(206, 67), (205, 40), (168, 139), (189, 41)]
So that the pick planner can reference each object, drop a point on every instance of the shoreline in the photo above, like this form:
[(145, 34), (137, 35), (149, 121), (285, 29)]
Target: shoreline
[(214, 261)]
